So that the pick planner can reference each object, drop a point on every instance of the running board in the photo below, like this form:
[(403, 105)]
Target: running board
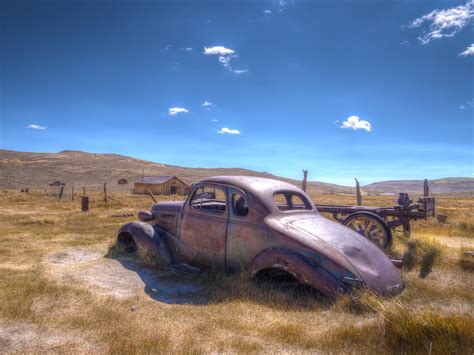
[(186, 269)]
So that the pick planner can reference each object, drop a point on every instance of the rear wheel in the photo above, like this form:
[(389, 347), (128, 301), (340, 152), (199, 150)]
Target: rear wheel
[(370, 226), (276, 277)]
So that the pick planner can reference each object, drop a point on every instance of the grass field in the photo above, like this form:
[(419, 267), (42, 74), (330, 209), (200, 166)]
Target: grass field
[(56, 294)]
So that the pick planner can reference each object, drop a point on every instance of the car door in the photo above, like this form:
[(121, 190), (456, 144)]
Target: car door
[(246, 233), (203, 226)]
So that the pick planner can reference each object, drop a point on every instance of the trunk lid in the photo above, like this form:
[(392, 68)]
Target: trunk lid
[(375, 268)]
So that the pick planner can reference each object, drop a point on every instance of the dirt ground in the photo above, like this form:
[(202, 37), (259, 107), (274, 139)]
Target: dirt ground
[(63, 292)]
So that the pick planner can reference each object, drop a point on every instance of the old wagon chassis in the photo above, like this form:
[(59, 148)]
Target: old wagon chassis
[(372, 220)]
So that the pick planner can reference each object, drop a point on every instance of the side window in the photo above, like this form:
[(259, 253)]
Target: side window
[(209, 198), (239, 205), (280, 201), (290, 201), (297, 203)]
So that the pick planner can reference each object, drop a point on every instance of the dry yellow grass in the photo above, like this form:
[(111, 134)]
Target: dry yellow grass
[(433, 315)]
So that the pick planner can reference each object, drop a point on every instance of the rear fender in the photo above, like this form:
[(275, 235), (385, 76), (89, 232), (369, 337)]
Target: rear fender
[(148, 238), (301, 269)]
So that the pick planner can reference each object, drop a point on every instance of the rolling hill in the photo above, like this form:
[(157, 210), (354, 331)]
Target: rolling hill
[(38, 170), (437, 186)]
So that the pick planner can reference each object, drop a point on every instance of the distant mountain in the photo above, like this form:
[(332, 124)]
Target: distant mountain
[(38, 170), (437, 186)]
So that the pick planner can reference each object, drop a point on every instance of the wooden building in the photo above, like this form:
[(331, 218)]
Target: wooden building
[(161, 185)]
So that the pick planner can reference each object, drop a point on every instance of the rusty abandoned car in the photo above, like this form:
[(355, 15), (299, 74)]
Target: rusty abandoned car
[(263, 227)]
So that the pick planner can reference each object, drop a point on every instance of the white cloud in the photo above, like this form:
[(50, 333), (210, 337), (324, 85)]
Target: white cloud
[(225, 130), (224, 55), (267, 12), (173, 111), (240, 71), (214, 120), (469, 51), (218, 50), (354, 122), (187, 49), (36, 126), (444, 23)]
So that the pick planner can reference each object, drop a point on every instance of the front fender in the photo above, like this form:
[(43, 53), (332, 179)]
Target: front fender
[(300, 268), (148, 238)]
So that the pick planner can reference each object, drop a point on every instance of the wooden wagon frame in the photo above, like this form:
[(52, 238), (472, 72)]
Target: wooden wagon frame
[(376, 223)]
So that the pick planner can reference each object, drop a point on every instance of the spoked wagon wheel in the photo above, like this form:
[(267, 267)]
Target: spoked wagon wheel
[(370, 226)]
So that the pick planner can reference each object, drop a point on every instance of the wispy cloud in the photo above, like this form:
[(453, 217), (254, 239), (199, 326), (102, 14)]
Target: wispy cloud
[(224, 55), (173, 111), (240, 71), (470, 103), (208, 105), (444, 23), (225, 130), (36, 126), (354, 122), (282, 5), (469, 51), (187, 49), (214, 120)]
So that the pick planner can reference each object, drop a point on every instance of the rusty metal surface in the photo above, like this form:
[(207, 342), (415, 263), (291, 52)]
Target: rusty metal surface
[(316, 251)]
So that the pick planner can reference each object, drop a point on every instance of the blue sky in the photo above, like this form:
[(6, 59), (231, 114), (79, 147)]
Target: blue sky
[(370, 89)]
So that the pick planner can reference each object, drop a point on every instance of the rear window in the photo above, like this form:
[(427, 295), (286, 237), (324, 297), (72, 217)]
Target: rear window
[(288, 201)]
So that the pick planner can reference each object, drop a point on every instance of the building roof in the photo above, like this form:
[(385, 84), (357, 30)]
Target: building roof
[(154, 179), (157, 179)]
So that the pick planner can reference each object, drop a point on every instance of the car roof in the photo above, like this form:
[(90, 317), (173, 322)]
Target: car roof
[(263, 188)]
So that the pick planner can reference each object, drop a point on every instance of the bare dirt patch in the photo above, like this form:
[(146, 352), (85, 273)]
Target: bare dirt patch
[(22, 337), (122, 278)]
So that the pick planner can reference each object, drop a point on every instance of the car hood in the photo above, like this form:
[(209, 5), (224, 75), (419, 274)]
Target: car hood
[(374, 267), (171, 206)]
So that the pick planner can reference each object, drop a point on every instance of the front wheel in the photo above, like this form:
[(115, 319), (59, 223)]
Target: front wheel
[(370, 226)]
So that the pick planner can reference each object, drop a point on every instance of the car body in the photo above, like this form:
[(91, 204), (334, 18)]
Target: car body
[(260, 225)]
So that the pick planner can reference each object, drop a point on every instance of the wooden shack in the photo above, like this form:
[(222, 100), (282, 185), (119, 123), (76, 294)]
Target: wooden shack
[(161, 185)]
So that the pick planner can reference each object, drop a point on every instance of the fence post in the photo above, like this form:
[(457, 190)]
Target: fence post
[(61, 192), (426, 188), (85, 203), (359, 196), (83, 190), (72, 194), (151, 194), (105, 192), (305, 178)]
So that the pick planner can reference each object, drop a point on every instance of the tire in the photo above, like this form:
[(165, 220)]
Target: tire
[(371, 227)]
